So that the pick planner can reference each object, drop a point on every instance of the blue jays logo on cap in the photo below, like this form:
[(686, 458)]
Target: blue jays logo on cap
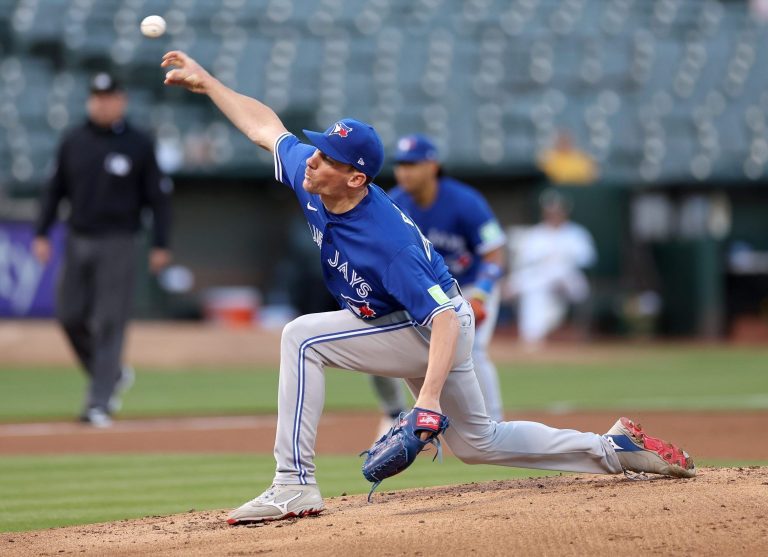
[(415, 148), (362, 149), (340, 129)]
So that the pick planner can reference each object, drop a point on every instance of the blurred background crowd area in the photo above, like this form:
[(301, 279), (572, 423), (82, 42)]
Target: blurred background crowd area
[(648, 115)]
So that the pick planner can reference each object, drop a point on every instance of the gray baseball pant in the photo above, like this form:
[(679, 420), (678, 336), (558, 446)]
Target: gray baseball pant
[(393, 346), (390, 392), (94, 300)]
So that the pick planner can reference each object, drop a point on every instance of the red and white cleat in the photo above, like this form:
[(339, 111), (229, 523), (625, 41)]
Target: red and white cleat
[(639, 452)]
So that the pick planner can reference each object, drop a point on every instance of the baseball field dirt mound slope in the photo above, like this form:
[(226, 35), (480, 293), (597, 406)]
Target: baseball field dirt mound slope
[(721, 512)]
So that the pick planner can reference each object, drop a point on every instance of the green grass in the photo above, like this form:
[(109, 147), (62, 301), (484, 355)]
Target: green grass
[(50, 393), (42, 492), (661, 377)]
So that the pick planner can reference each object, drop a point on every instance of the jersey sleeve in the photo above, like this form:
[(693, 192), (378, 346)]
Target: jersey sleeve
[(56, 191), (410, 279), (290, 158), (482, 230)]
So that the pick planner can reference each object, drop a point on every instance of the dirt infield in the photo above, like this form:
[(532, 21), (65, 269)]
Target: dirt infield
[(721, 512), (720, 435)]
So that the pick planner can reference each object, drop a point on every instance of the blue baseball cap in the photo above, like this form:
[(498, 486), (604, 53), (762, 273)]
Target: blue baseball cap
[(415, 148), (352, 142)]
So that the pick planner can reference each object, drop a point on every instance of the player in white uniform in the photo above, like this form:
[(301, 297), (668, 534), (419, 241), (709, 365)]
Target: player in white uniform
[(548, 270), (403, 316), (458, 221)]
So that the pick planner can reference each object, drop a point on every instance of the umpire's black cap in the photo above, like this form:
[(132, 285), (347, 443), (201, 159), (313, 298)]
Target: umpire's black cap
[(103, 82)]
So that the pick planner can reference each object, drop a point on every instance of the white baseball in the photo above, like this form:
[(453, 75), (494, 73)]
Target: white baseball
[(152, 26)]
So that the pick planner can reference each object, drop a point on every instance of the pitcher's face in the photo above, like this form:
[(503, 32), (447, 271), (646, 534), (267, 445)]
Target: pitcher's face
[(327, 176)]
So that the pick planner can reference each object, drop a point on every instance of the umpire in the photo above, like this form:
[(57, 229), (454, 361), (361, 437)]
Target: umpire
[(107, 171)]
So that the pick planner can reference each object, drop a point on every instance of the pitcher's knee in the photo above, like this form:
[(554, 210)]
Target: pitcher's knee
[(475, 444), (297, 331), (471, 450)]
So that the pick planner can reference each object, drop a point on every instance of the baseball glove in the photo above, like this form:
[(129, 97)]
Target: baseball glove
[(397, 449)]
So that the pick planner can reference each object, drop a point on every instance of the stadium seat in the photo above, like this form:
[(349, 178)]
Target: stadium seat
[(648, 88)]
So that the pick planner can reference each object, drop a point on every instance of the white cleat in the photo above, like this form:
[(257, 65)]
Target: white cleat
[(279, 502)]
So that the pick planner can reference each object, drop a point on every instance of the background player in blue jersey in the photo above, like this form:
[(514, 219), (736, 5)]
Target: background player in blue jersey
[(402, 316), (460, 224)]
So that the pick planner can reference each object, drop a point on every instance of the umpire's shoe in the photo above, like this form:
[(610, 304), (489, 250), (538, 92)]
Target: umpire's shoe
[(278, 502), (639, 452)]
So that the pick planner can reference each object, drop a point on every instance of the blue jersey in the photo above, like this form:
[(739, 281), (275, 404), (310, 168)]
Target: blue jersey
[(459, 223), (375, 260)]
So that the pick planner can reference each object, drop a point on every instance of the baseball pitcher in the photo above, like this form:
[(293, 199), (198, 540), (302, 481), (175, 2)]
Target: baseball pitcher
[(402, 316)]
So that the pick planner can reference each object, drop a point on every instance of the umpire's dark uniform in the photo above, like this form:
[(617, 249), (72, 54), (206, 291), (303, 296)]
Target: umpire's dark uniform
[(108, 175)]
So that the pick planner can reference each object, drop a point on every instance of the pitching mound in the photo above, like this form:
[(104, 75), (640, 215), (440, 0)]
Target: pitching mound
[(721, 512)]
